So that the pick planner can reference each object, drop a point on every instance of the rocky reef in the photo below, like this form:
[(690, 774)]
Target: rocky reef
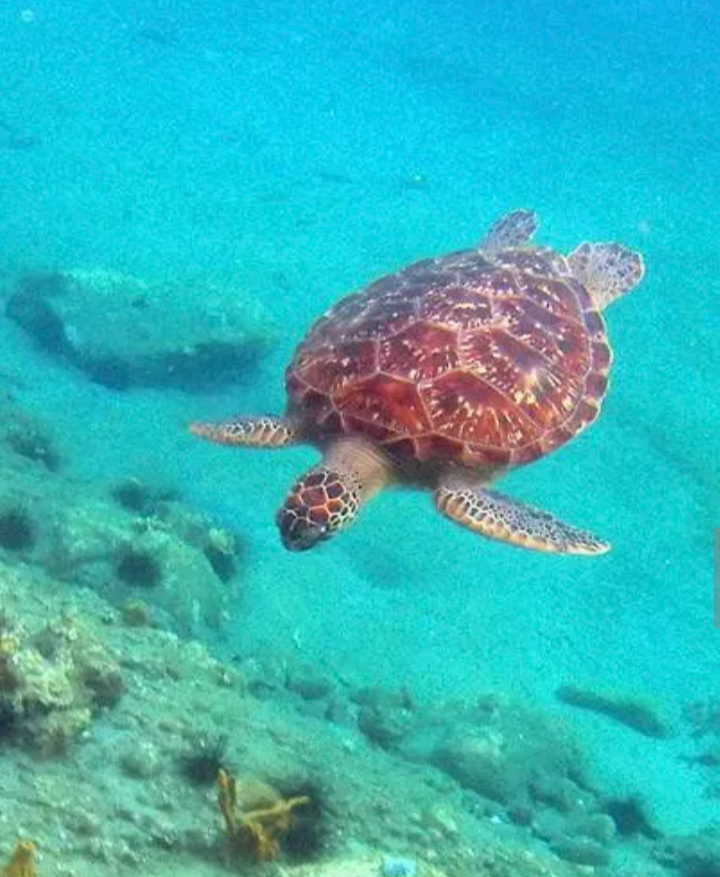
[(129, 541), (317, 777), (516, 765), (120, 797)]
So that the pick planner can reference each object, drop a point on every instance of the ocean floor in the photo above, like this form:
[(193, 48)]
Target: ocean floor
[(114, 728), (109, 764)]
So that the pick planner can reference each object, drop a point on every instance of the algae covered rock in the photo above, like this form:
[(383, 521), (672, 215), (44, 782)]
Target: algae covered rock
[(28, 437), (169, 556), (309, 681), (386, 716), (692, 855), (53, 681), (123, 331), (504, 750), (122, 556), (582, 851), (479, 759), (634, 710)]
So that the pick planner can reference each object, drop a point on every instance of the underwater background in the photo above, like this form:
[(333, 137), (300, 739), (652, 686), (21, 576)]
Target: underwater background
[(289, 153)]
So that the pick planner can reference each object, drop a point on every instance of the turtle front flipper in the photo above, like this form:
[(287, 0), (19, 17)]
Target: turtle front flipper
[(500, 517), (264, 431), (512, 230), (607, 271)]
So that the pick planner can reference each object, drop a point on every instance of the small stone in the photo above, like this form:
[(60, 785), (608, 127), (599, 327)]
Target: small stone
[(581, 851), (309, 682), (440, 819), (97, 849), (87, 824), (338, 711), (140, 762), (398, 866), (136, 613), (598, 826)]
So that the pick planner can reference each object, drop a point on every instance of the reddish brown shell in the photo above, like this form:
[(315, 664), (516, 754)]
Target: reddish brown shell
[(484, 360)]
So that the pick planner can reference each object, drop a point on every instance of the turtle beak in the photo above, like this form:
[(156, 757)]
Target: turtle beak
[(297, 532)]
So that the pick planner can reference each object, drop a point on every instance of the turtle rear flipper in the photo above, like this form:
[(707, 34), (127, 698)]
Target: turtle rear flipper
[(512, 230), (499, 517), (264, 431), (607, 271)]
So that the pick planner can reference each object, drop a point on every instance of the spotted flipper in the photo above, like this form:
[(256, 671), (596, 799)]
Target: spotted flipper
[(513, 230), (247, 431), (499, 517), (607, 271)]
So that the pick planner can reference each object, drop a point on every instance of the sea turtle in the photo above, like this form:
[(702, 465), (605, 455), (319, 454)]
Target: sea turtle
[(446, 375)]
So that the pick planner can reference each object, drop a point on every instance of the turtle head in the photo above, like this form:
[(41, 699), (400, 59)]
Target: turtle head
[(321, 503)]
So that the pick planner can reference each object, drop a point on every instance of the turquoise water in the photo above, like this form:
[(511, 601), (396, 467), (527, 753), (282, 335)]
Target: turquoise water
[(300, 151)]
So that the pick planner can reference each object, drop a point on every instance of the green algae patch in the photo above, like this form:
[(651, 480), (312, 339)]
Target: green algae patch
[(629, 708)]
